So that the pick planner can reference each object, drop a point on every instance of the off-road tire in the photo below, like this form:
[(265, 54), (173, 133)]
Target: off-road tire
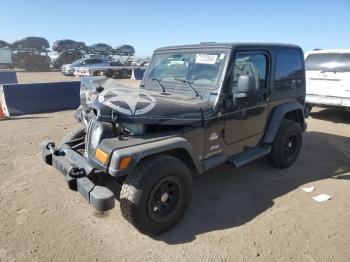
[(75, 134), (277, 156), (139, 187)]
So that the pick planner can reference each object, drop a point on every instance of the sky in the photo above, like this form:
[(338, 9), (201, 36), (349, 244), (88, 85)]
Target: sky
[(148, 25)]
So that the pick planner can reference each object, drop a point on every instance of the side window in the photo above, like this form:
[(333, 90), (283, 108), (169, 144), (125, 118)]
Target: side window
[(93, 61), (289, 70), (250, 64)]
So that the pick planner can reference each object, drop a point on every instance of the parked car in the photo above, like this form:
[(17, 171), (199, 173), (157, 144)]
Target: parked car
[(32, 42), (125, 50), (66, 57), (100, 47), (66, 44), (198, 107), (328, 78), (3, 44), (68, 69), (100, 69), (6, 57), (141, 62), (32, 61)]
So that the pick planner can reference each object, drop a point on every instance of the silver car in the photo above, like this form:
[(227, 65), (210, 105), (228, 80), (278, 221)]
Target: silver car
[(68, 69), (125, 50), (100, 47)]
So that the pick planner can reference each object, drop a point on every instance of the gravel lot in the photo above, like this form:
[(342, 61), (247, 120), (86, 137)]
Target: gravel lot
[(255, 213)]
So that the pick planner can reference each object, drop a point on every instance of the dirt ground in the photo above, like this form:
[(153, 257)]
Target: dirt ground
[(255, 213)]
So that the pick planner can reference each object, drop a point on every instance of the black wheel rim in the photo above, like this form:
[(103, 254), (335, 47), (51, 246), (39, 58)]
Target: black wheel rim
[(164, 199), (290, 148)]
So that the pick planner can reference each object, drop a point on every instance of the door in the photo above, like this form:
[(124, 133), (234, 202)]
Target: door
[(246, 112)]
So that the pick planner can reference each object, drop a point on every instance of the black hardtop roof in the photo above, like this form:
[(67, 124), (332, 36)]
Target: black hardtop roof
[(229, 45)]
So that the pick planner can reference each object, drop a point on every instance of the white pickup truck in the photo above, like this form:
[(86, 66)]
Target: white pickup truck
[(328, 78)]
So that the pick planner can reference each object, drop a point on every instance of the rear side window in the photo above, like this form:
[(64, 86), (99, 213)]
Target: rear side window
[(93, 61), (289, 70)]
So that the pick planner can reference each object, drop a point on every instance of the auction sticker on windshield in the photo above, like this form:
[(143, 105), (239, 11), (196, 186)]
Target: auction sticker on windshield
[(206, 59)]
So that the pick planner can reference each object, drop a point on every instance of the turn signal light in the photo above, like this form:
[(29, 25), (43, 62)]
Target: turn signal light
[(124, 162), (101, 156)]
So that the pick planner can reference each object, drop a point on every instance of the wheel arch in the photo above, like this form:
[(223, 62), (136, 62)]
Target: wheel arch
[(293, 111), (177, 146)]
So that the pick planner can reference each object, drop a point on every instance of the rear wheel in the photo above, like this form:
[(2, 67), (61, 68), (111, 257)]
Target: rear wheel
[(287, 144), (156, 195)]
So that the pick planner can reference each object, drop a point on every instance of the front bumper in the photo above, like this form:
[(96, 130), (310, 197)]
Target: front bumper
[(76, 170), (327, 101)]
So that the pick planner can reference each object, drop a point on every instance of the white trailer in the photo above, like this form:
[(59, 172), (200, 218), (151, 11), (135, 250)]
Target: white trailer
[(6, 57)]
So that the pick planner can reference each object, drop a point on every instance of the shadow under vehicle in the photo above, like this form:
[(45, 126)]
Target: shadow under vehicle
[(198, 107)]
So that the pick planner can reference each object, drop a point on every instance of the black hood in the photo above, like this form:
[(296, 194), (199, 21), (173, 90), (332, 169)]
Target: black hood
[(133, 105)]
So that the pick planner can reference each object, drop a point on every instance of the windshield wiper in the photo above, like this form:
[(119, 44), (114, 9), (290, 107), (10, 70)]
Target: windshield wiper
[(189, 83), (160, 85)]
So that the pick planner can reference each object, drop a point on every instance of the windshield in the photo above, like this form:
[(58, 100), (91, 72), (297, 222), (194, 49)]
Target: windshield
[(201, 68), (78, 62), (334, 62)]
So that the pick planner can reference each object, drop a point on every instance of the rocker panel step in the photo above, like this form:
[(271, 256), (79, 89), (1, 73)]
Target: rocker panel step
[(250, 155)]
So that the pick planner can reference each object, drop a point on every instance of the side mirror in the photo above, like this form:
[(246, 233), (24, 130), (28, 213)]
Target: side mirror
[(246, 84)]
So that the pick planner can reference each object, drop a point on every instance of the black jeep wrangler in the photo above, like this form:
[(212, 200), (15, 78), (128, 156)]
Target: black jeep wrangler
[(198, 106)]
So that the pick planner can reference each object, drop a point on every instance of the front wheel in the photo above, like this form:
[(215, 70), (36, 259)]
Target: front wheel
[(74, 134), (287, 144), (156, 195)]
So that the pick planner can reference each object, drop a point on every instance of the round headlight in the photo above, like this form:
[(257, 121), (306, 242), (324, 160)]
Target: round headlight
[(96, 134)]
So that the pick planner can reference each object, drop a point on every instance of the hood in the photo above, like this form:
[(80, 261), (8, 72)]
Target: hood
[(133, 105)]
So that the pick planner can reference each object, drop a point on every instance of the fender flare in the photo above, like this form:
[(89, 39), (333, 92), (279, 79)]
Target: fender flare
[(141, 151), (277, 117)]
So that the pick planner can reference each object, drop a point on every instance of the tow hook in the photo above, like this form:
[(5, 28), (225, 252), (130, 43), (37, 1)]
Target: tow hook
[(77, 172)]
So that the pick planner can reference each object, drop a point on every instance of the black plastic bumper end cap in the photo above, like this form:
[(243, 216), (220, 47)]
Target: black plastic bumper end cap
[(102, 199)]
